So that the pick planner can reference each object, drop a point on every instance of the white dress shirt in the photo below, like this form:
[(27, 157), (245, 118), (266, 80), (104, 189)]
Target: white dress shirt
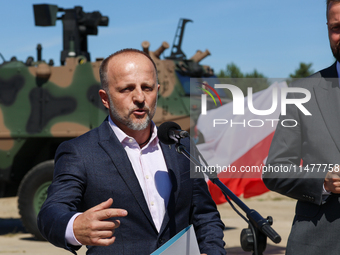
[(151, 171)]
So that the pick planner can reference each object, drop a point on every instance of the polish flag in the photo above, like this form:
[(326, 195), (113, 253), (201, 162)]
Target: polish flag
[(239, 147)]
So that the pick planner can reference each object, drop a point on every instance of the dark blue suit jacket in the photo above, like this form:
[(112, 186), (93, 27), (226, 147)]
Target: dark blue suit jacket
[(94, 167)]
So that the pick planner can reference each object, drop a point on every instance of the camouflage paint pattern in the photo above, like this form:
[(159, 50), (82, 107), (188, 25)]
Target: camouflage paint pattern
[(45, 103)]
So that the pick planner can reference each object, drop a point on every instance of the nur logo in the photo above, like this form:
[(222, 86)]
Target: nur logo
[(239, 99), (204, 97)]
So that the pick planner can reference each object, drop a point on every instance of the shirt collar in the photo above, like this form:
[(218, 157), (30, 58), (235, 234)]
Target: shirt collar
[(122, 136)]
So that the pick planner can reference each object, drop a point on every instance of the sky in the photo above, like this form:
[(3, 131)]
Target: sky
[(271, 36)]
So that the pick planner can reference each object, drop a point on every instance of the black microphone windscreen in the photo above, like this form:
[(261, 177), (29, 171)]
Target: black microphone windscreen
[(163, 132)]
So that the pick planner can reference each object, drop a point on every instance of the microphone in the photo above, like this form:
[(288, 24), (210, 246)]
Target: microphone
[(170, 133)]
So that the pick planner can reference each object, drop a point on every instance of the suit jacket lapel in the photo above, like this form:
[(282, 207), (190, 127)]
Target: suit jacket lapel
[(111, 145), (327, 95)]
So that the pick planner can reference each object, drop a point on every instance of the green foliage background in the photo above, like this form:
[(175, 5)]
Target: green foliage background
[(233, 75)]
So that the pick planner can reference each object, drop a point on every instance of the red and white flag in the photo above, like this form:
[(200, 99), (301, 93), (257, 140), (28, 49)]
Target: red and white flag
[(238, 148)]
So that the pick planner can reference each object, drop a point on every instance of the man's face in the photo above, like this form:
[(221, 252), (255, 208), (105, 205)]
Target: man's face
[(133, 91), (333, 23)]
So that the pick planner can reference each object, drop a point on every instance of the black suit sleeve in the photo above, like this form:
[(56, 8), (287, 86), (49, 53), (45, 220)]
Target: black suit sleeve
[(205, 216), (206, 220), (64, 196)]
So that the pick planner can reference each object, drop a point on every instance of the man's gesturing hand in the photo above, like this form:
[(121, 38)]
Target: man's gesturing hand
[(93, 228)]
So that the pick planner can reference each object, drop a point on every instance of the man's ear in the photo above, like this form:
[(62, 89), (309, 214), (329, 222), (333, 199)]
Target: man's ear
[(105, 98)]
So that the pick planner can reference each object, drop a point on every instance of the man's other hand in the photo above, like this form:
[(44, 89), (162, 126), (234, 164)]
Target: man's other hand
[(92, 226)]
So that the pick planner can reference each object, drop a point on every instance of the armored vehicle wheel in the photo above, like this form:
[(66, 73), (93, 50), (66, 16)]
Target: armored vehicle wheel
[(32, 194)]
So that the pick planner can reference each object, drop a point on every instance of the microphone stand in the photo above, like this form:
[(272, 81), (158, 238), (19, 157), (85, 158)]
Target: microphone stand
[(253, 238)]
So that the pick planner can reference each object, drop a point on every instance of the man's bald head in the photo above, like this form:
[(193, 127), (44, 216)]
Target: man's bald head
[(104, 65)]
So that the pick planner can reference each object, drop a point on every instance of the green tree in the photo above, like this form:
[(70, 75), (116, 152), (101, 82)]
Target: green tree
[(254, 74), (233, 75), (303, 71), (232, 71)]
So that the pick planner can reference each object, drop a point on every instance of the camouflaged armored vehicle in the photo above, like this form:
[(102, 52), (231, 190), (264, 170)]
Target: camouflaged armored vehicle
[(42, 105)]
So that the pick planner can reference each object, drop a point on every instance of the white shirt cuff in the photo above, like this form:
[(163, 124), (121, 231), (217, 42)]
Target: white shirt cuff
[(324, 191), (69, 234), (325, 194)]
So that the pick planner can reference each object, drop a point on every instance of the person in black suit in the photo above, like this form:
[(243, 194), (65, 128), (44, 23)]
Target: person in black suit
[(309, 154), (117, 188)]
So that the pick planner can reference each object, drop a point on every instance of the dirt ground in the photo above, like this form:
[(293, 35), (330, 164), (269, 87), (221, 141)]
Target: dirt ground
[(14, 239)]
